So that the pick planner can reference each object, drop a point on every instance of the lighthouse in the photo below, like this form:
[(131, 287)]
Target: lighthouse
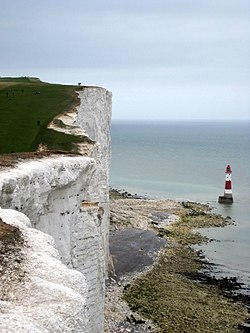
[(228, 195)]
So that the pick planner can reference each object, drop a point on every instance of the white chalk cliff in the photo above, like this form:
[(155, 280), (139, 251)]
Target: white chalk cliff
[(66, 197)]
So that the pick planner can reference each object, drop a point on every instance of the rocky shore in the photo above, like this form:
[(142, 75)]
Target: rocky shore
[(155, 278)]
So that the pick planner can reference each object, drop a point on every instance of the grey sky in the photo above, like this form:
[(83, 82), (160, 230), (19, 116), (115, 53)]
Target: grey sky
[(162, 59)]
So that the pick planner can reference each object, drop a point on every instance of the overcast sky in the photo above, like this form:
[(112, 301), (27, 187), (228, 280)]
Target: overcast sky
[(162, 59)]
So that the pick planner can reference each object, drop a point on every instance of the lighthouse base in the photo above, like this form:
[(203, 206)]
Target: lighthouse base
[(225, 200)]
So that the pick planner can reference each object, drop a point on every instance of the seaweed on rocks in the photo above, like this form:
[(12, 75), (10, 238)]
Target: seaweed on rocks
[(171, 295), (175, 294)]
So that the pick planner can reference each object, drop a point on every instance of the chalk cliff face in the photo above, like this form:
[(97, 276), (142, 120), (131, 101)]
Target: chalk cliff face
[(39, 293), (67, 198)]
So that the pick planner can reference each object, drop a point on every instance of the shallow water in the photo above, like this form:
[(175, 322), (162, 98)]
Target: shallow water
[(187, 160)]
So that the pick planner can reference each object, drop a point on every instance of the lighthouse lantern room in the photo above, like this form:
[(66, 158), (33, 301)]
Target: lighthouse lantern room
[(228, 195)]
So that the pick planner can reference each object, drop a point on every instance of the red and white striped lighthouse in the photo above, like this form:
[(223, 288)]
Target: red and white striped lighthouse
[(228, 194)]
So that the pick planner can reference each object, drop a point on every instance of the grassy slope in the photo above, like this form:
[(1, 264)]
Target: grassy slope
[(27, 105)]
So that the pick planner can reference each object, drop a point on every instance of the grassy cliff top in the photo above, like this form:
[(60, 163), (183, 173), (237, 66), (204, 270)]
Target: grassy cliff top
[(27, 105)]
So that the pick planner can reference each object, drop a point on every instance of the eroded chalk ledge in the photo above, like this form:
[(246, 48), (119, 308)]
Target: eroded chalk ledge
[(40, 294)]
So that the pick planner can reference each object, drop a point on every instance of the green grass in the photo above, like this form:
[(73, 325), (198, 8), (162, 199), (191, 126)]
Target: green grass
[(27, 105)]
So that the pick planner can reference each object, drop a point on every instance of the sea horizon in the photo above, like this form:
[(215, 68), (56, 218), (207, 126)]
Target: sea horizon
[(183, 160)]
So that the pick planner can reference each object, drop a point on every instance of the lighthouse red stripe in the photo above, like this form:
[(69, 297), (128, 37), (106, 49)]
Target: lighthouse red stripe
[(228, 185)]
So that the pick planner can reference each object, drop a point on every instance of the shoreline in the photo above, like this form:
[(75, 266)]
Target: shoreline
[(224, 286)]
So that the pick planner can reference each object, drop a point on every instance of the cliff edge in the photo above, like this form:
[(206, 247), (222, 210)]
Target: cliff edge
[(66, 197)]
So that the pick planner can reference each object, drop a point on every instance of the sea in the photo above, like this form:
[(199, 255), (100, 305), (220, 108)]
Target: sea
[(186, 160)]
